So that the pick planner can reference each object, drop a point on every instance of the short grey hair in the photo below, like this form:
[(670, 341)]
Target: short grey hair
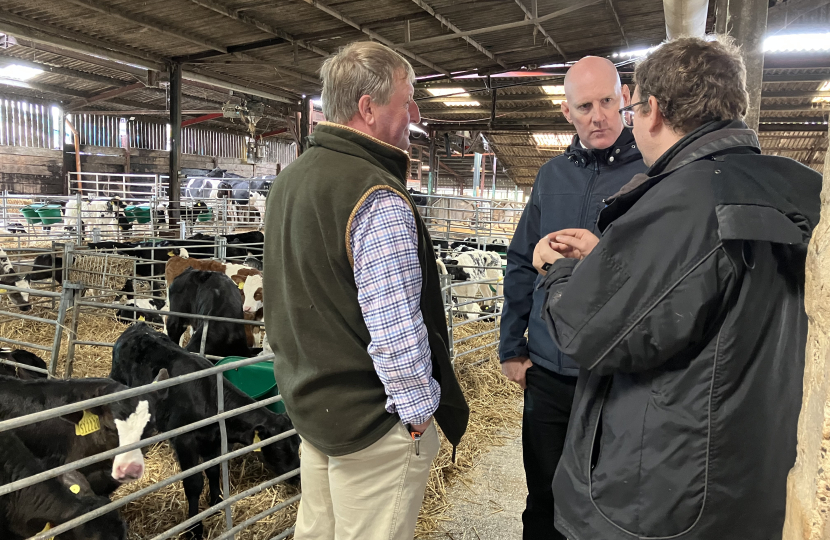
[(359, 69)]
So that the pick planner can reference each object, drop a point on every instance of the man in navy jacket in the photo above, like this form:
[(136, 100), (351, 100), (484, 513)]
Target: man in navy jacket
[(568, 193)]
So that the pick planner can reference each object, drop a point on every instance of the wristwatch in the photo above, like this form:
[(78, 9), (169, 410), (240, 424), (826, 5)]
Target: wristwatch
[(546, 266)]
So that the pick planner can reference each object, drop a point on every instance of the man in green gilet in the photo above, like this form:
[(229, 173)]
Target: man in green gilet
[(354, 310)]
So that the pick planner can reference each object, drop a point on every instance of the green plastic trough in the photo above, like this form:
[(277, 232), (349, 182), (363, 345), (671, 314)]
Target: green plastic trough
[(30, 213), (50, 214), (256, 380)]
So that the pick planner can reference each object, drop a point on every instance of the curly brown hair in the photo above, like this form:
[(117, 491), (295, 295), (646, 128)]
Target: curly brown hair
[(694, 81)]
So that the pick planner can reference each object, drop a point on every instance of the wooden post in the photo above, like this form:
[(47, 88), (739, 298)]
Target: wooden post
[(432, 162), (808, 486), (305, 123), (77, 154), (746, 22), (173, 184)]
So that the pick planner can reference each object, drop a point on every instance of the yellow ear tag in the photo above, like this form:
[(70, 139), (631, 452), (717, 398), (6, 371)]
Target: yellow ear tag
[(141, 317), (3, 291), (171, 254), (46, 528), (241, 285), (256, 440), (90, 423), (75, 488)]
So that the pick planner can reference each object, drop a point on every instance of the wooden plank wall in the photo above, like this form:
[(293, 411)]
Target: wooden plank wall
[(31, 170), (113, 160)]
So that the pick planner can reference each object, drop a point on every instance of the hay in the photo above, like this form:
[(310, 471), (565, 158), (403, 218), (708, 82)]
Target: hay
[(166, 508), (494, 405), (101, 270)]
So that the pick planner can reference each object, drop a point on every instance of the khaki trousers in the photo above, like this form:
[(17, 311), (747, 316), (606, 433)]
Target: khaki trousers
[(373, 494)]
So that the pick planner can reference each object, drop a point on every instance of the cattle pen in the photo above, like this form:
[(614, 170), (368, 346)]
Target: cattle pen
[(76, 319)]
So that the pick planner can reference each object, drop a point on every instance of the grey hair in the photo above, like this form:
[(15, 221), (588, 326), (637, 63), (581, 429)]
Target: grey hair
[(359, 69)]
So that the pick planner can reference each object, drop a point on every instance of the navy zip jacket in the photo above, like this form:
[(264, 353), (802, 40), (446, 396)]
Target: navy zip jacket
[(568, 193)]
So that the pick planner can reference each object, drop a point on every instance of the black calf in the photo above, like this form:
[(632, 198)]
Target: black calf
[(19, 356), (207, 293), (50, 503), (141, 353)]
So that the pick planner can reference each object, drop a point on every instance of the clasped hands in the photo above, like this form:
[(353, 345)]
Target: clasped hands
[(567, 243)]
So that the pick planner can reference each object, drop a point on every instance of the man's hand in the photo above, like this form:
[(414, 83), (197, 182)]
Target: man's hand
[(573, 243), (422, 428), (544, 253), (515, 370)]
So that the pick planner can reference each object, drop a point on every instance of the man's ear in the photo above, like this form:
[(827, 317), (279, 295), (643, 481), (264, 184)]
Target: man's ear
[(654, 117), (626, 96), (566, 110), (366, 109)]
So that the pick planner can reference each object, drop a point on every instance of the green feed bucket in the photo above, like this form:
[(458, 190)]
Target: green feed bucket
[(256, 380), (129, 213), (142, 213), (206, 216), (30, 213), (50, 214)]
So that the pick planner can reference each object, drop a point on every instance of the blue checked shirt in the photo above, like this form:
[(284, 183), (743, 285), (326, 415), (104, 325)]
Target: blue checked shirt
[(384, 242)]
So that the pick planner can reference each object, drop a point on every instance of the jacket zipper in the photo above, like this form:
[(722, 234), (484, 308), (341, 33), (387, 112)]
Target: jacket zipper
[(589, 194)]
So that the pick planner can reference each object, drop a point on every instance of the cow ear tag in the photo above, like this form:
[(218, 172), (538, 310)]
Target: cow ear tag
[(256, 440), (241, 285), (90, 423), (3, 291), (75, 488), (46, 528), (141, 318), (171, 254)]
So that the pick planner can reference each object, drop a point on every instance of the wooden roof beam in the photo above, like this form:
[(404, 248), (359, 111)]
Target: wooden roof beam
[(237, 15), (73, 41), (150, 24), (104, 96), (377, 37), (66, 72), (541, 30), (619, 23), (499, 27), (444, 21), (175, 32)]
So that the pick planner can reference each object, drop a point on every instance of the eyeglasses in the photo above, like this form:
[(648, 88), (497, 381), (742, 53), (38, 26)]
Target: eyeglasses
[(627, 114)]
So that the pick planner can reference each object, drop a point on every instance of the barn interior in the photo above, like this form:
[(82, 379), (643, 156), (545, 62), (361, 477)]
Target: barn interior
[(243, 78), (138, 100)]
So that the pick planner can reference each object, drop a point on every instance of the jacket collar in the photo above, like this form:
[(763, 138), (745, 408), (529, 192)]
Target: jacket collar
[(624, 150), (345, 140), (708, 140)]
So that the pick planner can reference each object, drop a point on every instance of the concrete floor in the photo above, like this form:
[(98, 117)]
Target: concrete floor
[(488, 504)]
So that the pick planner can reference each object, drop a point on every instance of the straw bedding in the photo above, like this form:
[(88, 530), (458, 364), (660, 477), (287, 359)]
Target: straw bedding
[(493, 403)]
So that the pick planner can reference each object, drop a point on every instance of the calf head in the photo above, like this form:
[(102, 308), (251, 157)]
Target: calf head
[(453, 269), (18, 298), (110, 526), (250, 283), (121, 423), (282, 456)]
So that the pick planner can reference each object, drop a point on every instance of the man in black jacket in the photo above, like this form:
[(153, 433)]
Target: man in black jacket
[(568, 192), (687, 317)]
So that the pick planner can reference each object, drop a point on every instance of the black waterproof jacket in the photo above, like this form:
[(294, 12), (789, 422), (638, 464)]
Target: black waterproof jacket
[(688, 319), (568, 193)]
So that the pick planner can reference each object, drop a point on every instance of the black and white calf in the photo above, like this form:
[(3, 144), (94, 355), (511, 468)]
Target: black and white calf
[(82, 434), (141, 353), (145, 313), (9, 276), (47, 266), (472, 265), (47, 504)]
